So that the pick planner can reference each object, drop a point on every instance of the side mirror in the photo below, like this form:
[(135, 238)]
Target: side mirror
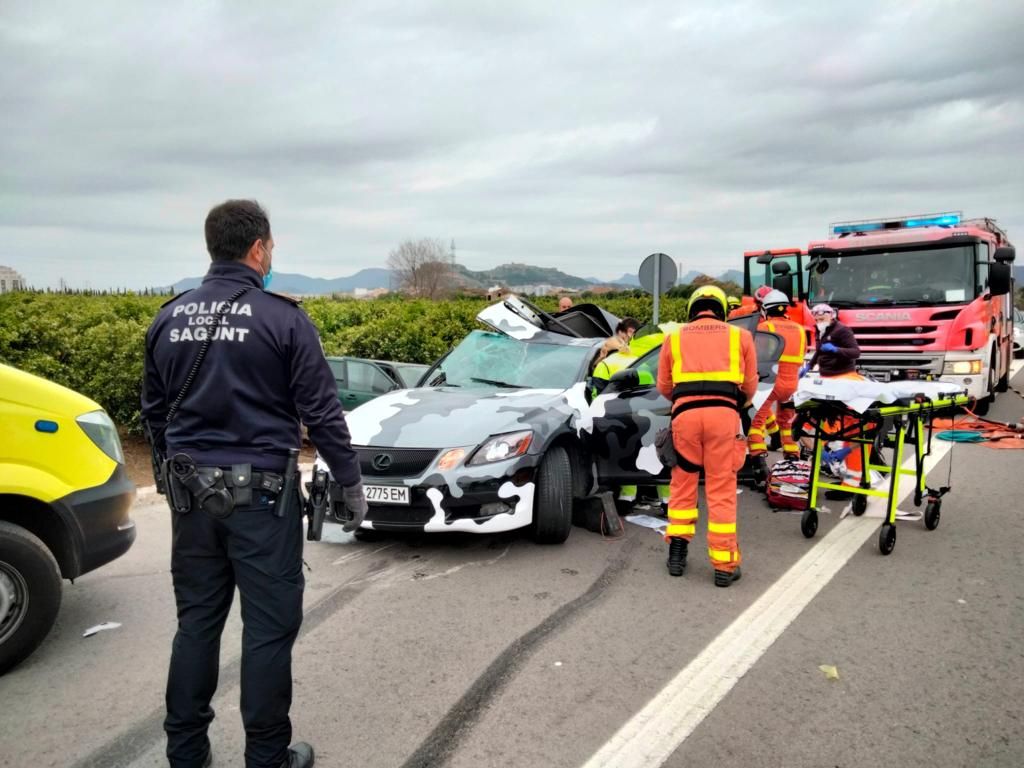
[(1005, 254), (623, 381), (1000, 279), (764, 258)]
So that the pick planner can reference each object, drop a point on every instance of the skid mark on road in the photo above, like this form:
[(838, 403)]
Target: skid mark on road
[(360, 553), (447, 735), (457, 568)]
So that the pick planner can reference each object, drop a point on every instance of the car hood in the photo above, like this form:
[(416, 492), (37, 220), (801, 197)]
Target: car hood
[(449, 417)]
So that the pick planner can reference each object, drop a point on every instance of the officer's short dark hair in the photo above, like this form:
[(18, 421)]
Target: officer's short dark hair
[(233, 226), (626, 324)]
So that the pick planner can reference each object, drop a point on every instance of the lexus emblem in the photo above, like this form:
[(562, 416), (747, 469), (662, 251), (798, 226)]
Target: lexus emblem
[(381, 462)]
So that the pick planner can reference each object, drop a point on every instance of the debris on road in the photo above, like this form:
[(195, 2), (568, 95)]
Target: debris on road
[(101, 628), (658, 524), (831, 673)]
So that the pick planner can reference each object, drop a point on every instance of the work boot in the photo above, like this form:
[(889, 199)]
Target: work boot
[(725, 578), (677, 556), (759, 468), (300, 755)]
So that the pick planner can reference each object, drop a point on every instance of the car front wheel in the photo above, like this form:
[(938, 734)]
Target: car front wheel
[(552, 503), (30, 591)]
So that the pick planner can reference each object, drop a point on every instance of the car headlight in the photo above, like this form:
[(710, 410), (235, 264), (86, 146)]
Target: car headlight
[(101, 430), (501, 447), (962, 367)]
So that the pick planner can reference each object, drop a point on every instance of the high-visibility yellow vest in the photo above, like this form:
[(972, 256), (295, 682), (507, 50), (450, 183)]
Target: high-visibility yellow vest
[(794, 336), (706, 351)]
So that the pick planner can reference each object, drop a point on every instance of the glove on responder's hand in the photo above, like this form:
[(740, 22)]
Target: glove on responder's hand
[(803, 370), (355, 505), (828, 346)]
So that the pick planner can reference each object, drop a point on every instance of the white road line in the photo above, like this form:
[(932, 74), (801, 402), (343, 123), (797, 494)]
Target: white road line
[(656, 731)]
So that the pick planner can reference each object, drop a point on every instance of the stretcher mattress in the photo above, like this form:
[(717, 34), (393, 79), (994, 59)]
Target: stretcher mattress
[(860, 395)]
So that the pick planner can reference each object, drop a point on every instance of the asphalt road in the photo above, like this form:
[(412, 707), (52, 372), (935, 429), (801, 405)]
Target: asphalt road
[(492, 651)]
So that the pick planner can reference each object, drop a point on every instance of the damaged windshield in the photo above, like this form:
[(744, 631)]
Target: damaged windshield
[(931, 276), (485, 359)]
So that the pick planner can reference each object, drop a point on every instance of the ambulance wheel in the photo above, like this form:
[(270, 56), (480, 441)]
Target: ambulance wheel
[(932, 513), (809, 523), (887, 538), (30, 592), (860, 504), (552, 503)]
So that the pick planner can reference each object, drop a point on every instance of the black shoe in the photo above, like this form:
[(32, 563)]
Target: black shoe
[(300, 755), (833, 495), (209, 759), (725, 578), (677, 556)]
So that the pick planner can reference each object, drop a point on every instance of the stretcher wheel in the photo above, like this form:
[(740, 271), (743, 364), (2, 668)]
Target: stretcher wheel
[(860, 504), (809, 523), (887, 538), (932, 513)]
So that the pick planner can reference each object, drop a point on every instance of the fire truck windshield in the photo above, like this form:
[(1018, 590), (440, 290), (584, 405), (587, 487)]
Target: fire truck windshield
[(928, 276)]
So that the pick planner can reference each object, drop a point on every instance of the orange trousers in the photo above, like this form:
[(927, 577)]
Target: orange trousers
[(757, 441), (712, 438)]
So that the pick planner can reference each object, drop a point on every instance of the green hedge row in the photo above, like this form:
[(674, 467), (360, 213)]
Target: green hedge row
[(94, 344)]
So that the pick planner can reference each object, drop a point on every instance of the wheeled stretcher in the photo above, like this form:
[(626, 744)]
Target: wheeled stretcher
[(876, 418)]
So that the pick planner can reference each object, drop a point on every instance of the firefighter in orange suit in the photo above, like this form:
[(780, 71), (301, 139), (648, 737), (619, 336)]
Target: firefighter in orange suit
[(708, 369), (773, 310)]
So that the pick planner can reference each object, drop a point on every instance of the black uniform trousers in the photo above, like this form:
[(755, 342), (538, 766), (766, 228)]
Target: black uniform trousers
[(261, 554)]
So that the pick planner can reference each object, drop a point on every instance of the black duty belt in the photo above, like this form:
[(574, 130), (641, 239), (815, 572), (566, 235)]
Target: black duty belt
[(217, 490)]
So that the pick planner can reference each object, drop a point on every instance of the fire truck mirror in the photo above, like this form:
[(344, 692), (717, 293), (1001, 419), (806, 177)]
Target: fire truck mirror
[(765, 258), (1005, 254), (999, 279)]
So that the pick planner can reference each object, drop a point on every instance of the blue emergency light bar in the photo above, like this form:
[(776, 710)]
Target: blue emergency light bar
[(909, 222)]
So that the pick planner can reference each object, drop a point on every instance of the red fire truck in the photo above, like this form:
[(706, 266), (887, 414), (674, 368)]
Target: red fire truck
[(927, 297)]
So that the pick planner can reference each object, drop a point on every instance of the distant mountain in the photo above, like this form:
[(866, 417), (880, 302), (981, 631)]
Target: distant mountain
[(1018, 275), (731, 275), (505, 274), (520, 274), (312, 286), (630, 279)]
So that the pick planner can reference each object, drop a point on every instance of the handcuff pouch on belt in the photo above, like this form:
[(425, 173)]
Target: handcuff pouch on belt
[(207, 487)]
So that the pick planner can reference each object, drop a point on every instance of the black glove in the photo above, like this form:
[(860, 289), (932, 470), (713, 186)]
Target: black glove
[(355, 507)]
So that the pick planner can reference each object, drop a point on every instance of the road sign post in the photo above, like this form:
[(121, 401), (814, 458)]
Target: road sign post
[(657, 274)]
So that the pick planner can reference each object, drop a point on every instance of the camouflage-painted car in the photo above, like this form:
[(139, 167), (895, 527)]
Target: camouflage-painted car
[(505, 435)]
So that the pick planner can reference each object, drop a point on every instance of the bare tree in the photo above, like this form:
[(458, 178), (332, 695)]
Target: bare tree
[(422, 268)]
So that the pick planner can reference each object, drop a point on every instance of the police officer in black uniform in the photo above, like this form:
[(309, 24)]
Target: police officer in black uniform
[(225, 424)]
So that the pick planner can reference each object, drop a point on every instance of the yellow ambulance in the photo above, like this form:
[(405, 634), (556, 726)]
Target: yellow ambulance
[(64, 502)]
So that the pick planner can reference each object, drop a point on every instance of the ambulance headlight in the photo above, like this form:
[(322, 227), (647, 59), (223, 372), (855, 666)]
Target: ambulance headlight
[(101, 430), (962, 368)]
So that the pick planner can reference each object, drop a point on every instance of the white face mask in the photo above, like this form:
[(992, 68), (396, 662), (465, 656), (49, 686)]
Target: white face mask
[(822, 326)]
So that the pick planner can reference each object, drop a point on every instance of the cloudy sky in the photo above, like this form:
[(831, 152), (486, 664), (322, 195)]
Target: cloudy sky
[(581, 135)]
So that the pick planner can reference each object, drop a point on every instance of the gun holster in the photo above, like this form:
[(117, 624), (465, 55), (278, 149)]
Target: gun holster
[(316, 504), (186, 483)]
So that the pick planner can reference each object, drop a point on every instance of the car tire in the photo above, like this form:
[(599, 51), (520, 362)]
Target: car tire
[(552, 502), (31, 582)]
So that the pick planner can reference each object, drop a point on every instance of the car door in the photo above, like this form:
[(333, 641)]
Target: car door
[(337, 365), (364, 381), (626, 421)]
